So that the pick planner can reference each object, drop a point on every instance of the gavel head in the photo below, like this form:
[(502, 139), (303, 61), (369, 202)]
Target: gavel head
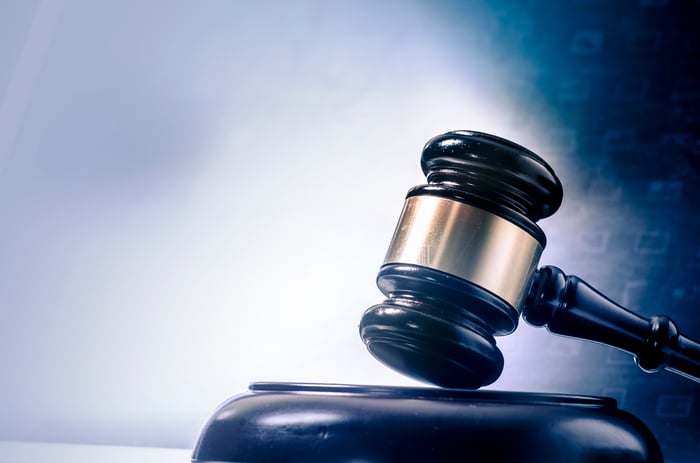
[(461, 260)]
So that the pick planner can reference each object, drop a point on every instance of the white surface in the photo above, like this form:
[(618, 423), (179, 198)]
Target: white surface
[(35, 452)]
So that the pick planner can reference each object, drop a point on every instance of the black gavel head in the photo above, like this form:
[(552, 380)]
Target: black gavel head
[(461, 260)]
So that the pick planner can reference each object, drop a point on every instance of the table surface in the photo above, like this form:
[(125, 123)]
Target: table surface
[(40, 452)]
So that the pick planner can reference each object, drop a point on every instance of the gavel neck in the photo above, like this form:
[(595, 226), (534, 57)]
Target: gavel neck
[(569, 306)]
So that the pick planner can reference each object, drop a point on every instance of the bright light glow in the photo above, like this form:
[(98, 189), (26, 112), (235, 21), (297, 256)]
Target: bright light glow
[(201, 195), (305, 418)]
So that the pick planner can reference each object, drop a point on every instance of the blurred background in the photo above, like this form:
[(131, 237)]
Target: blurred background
[(198, 195)]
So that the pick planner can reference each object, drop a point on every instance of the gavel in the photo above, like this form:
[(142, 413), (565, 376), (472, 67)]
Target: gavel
[(461, 269)]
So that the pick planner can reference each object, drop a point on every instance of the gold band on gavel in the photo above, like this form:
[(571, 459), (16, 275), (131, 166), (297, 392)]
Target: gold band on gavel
[(466, 242)]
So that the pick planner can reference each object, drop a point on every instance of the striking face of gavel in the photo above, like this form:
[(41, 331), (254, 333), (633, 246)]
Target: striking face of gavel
[(462, 267)]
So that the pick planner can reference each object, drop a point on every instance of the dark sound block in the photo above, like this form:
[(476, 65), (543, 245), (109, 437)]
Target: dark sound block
[(309, 423)]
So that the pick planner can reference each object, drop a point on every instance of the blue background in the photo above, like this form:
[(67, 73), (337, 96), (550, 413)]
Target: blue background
[(197, 195)]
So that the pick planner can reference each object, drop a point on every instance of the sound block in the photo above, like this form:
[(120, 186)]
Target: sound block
[(309, 423)]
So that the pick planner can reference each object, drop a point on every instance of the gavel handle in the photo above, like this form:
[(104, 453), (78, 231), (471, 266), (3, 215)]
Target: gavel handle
[(569, 306)]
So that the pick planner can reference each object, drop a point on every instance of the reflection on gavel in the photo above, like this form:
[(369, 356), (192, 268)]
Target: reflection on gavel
[(462, 267)]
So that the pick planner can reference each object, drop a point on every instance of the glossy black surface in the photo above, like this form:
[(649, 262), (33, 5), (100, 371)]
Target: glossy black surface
[(445, 338), (495, 169), (569, 306), (470, 303), (493, 174), (279, 423)]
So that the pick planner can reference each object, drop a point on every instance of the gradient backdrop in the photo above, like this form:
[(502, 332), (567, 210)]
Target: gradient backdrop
[(198, 195)]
